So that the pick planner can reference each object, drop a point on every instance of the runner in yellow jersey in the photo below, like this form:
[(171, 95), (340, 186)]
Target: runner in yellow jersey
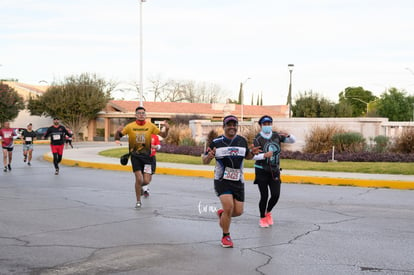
[(139, 140)]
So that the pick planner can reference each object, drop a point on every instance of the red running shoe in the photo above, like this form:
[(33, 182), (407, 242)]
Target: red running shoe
[(226, 242), (219, 212), (263, 222), (269, 218)]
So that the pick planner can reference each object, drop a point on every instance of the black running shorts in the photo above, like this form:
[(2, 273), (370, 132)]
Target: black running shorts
[(235, 188), (139, 161)]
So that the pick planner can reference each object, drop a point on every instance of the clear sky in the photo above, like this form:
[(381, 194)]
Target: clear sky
[(333, 44)]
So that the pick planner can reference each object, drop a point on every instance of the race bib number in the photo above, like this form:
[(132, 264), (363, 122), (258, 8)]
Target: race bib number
[(7, 135), (28, 139), (232, 174), (139, 138), (56, 137), (147, 169)]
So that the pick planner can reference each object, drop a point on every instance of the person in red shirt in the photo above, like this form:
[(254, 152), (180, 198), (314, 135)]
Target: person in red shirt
[(57, 133), (155, 146), (7, 135)]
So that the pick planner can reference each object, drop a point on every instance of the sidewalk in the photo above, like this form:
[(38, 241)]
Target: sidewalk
[(88, 157)]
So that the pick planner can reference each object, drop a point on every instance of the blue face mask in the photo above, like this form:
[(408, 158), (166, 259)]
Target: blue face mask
[(267, 129)]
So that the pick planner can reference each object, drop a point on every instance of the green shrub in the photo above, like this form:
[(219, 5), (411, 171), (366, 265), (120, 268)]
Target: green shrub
[(348, 142), (381, 144)]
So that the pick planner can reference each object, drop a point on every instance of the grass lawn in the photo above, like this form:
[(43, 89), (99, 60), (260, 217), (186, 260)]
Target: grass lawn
[(401, 168)]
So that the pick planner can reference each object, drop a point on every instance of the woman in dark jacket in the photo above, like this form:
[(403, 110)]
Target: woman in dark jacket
[(267, 170)]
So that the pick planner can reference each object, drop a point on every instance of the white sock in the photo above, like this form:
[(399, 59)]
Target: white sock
[(145, 188)]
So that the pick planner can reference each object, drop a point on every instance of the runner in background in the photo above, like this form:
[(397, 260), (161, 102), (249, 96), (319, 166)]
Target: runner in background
[(57, 135), (69, 139), (267, 170), (155, 146), (7, 136), (28, 136)]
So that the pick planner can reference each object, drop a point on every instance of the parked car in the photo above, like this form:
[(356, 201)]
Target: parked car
[(40, 133)]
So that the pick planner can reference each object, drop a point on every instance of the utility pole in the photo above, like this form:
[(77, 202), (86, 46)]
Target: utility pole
[(289, 98)]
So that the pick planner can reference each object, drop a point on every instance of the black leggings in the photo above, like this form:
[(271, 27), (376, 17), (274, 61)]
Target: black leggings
[(56, 160), (265, 181)]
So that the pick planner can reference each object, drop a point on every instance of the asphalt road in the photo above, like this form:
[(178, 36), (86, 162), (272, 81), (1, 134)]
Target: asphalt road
[(83, 221)]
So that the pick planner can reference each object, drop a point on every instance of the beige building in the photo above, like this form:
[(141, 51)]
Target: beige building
[(24, 117)]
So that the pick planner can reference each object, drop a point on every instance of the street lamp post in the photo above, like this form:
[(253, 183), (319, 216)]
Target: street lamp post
[(289, 99), (242, 97), (141, 84), (412, 72)]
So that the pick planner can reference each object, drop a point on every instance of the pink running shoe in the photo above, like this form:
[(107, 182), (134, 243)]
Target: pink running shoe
[(219, 212), (226, 242), (269, 218), (263, 222)]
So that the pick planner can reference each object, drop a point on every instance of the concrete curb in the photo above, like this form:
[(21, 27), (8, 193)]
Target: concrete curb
[(372, 183)]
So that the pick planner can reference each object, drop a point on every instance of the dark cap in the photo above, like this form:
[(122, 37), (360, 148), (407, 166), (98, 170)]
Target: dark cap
[(55, 118), (264, 119), (229, 118)]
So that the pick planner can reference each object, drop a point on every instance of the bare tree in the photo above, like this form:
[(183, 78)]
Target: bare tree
[(158, 87), (185, 91)]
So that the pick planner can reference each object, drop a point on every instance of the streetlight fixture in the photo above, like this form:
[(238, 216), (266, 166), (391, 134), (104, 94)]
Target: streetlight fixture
[(363, 101), (289, 98), (141, 84), (366, 103), (242, 97)]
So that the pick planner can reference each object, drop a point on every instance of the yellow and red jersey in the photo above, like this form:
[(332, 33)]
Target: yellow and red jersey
[(139, 136)]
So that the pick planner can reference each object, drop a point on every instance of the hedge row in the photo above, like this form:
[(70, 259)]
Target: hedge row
[(355, 157)]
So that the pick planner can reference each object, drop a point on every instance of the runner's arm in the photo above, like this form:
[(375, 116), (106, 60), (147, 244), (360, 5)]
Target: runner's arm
[(209, 155), (118, 133), (46, 135)]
